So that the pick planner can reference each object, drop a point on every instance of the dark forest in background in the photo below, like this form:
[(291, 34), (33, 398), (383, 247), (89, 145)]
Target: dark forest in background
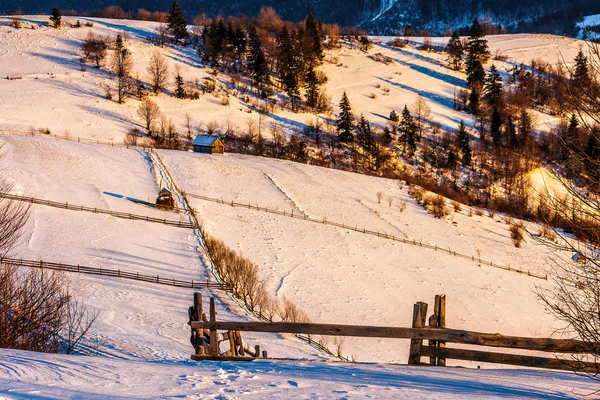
[(438, 16)]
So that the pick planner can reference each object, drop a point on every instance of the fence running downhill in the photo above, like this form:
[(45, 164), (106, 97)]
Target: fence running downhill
[(117, 214), (115, 273), (365, 231)]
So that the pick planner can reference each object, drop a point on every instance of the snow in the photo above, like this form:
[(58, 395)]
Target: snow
[(335, 275), (29, 375)]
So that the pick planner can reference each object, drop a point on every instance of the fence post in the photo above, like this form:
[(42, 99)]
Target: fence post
[(419, 315), (442, 324), (257, 351), (214, 343), (197, 316)]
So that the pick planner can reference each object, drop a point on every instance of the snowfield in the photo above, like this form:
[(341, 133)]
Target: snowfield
[(334, 274)]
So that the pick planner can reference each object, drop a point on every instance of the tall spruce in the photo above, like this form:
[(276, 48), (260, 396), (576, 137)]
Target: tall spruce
[(345, 121), (463, 143), (312, 88), (492, 89), (288, 66), (407, 129), (177, 22), (581, 72), (364, 135), (525, 128), (455, 52), (56, 18), (511, 132), (257, 62), (478, 45), (312, 40), (496, 129)]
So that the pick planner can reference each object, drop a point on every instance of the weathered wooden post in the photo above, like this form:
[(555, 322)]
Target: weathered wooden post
[(197, 316), (257, 351), (214, 344), (419, 316), (233, 350), (442, 324)]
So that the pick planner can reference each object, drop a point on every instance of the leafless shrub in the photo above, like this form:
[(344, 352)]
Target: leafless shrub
[(373, 95), (437, 206), (401, 205), (390, 200), (547, 233), (456, 205), (16, 23), (417, 193), (212, 127), (517, 233), (379, 196), (290, 313), (149, 112), (397, 42), (132, 137), (39, 313), (338, 342), (13, 217), (158, 70), (478, 212), (225, 101)]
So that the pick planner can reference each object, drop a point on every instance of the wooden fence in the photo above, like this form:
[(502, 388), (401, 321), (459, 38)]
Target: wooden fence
[(67, 206), (365, 231), (114, 273), (67, 137), (438, 338)]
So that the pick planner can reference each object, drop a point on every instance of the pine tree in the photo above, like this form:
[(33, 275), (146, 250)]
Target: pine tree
[(474, 98), (492, 90), (177, 22), (56, 18), (463, 143), (511, 132), (364, 135), (407, 130), (581, 73), (312, 88), (288, 66), (569, 144), (387, 138), (475, 71), (525, 128), (496, 129), (257, 62), (179, 91), (478, 45), (345, 122), (455, 51), (313, 38)]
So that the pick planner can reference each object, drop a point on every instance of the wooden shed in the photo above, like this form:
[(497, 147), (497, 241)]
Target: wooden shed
[(208, 145), (165, 200)]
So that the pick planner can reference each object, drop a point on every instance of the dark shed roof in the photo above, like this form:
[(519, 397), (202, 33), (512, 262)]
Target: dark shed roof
[(204, 140)]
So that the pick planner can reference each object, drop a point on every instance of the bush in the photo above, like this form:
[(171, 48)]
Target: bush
[(437, 206), (517, 233), (417, 193), (16, 23), (397, 42), (547, 233), (456, 205), (401, 205)]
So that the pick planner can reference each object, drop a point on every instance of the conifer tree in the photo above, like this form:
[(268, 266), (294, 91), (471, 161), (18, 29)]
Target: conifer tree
[(478, 45), (119, 42), (179, 90), (312, 88), (492, 90), (56, 18), (407, 130), (257, 62), (475, 71), (455, 52), (288, 66), (496, 129), (345, 122), (364, 135), (581, 73), (511, 132), (312, 43), (463, 143), (525, 128), (177, 22)]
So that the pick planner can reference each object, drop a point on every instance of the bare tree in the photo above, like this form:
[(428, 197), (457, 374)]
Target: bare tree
[(421, 112), (13, 217), (149, 112), (122, 65), (158, 70), (189, 125), (162, 34)]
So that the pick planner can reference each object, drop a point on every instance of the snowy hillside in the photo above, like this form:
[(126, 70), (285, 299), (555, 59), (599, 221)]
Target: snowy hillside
[(335, 275)]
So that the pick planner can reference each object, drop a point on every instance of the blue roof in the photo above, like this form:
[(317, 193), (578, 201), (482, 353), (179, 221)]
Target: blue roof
[(204, 140)]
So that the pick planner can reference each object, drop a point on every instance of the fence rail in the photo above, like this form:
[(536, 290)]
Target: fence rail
[(115, 273), (66, 137), (365, 231), (438, 337), (117, 214)]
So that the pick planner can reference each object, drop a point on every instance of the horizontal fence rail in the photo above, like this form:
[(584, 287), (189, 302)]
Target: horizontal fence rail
[(365, 231), (66, 137), (156, 279), (117, 214)]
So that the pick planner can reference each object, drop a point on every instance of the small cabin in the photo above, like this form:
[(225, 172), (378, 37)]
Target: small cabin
[(208, 145), (165, 200)]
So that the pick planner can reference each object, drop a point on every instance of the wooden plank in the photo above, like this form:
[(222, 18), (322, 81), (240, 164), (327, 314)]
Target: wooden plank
[(197, 357), (447, 335), (214, 343), (442, 324), (510, 359), (419, 313), (232, 348)]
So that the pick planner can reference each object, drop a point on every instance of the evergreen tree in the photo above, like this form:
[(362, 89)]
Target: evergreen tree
[(492, 90), (345, 122), (455, 51), (511, 132), (288, 65), (478, 45), (177, 22), (257, 62), (592, 155), (475, 71), (119, 43), (313, 39), (463, 143), (569, 144), (56, 18), (496, 129), (474, 98), (312, 88), (407, 130), (581, 73), (525, 128), (387, 138), (179, 91), (364, 135)]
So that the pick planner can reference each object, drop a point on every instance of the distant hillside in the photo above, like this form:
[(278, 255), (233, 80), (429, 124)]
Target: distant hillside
[(544, 16)]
